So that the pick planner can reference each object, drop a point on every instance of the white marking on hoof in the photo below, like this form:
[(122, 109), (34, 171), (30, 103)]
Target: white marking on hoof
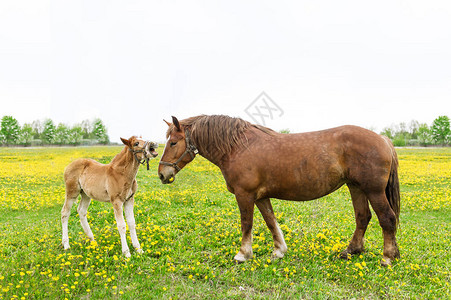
[(240, 257), (66, 245), (127, 253), (140, 251), (385, 262), (277, 254)]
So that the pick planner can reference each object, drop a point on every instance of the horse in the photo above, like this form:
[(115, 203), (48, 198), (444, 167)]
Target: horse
[(258, 164), (114, 182)]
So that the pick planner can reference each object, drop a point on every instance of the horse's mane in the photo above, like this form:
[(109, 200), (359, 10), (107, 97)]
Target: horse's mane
[(223, 133)]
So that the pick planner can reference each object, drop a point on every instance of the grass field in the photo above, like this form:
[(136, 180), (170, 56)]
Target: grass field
[(190, 231)]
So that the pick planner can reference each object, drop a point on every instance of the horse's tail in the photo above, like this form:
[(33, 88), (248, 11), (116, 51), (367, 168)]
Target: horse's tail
[(392, 189)]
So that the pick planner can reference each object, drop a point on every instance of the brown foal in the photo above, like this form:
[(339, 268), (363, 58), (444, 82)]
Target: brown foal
[(258, 164), (114, 182)]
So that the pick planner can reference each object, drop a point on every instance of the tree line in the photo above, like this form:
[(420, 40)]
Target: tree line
[(420, 134), (41, 133)]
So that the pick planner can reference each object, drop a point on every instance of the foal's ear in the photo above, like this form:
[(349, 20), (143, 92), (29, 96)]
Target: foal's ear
[(126, 142), (169, 124), (176, 123)]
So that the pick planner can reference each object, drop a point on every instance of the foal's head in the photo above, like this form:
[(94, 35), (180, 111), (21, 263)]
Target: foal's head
[(178, 152), (141, 149)]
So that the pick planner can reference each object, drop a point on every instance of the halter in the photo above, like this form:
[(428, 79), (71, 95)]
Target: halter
[(146, 159), (190, 149)]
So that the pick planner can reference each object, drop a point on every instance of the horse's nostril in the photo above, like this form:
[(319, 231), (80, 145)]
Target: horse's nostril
[(161, 176)]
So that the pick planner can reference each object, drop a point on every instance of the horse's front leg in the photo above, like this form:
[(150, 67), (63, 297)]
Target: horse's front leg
[(280, 247), (118, 214), (129, 216), (246, 206)]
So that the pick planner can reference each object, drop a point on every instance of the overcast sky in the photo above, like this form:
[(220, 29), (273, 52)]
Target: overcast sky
[(133, 63)]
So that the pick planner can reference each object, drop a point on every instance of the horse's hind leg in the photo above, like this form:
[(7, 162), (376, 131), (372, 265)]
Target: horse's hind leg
[(129, 216), (362, 218), (387, 220), (118, 214), (72, 192), (280, 247), (82, 213)]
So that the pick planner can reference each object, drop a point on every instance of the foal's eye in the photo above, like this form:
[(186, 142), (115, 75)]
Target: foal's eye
[(173, 143), (136, 144)]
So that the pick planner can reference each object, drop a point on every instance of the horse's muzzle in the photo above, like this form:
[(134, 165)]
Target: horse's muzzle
[(167, 175)]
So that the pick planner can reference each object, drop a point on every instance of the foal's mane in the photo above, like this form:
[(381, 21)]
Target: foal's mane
[(218, 132)]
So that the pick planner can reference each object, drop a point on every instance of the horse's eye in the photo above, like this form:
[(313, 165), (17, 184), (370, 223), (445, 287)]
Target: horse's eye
[(136, 144), (173, 143)]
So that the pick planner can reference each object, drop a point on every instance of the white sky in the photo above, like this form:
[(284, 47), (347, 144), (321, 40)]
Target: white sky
[(133, 63)]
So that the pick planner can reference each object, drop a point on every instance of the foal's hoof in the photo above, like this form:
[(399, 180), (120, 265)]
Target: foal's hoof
[(241, 258), (140, 251), (127, 254)]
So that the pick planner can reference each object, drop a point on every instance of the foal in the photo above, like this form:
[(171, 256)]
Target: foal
[(114, 182)]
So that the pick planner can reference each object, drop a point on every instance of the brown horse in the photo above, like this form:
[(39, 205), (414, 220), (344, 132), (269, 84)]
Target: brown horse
[(258, 164), (114, 182)]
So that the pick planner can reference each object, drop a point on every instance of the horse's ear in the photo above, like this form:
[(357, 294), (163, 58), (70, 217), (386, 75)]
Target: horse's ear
[(126, 142), (176, 123), (169, 124)]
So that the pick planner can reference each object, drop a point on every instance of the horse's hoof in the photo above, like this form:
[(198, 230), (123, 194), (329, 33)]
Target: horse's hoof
[(140, 251), (345, 255), (127, 254), (385, 262), (277, 254), (241, 258)]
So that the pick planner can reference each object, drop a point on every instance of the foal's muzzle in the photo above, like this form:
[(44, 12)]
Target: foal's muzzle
[(150, 149)]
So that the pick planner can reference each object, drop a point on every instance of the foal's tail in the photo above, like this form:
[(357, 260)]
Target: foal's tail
[(392, 189)]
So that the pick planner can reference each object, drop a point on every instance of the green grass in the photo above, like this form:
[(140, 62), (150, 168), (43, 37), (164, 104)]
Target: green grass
[(190, 231)]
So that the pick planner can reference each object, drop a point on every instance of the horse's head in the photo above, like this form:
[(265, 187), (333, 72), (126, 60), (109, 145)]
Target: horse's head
[(178, 152), (141, 149)]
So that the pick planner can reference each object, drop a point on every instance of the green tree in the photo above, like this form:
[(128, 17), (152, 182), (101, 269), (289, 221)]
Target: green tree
[(48, 132), (10, 130), (424, 134), (99, 132), (61, 134), (37, 129), (75, 135), (388, 132), (413, 128), (26, 134), (286, 130), (440, 130), (87, 127)]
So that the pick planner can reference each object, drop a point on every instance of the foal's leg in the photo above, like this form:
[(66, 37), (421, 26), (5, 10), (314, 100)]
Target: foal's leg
[(387, 220), (128, 208), (280, 247), (362, 218), (82, 213), (71, 196), (246, 206), (118, 214)]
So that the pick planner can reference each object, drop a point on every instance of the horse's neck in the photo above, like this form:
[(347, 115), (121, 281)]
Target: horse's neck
[(219, 159), (214, 156), (125, 161)]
